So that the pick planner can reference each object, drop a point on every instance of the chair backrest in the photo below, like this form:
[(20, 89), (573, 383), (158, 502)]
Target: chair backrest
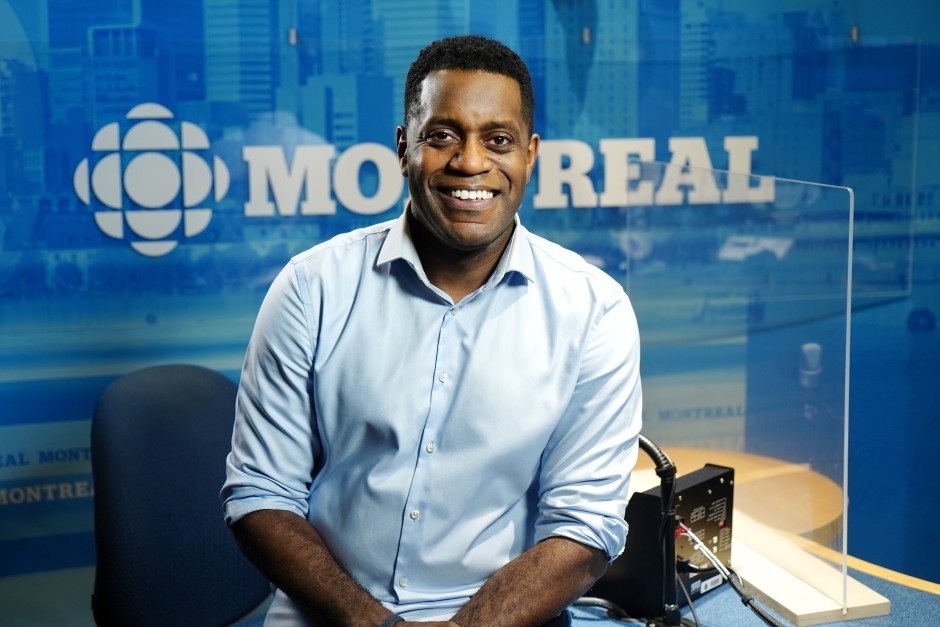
[(159, 438)]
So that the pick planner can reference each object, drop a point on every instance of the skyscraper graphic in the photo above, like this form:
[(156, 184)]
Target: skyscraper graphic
[(69, 24), (591, 77), (124, 68), (332, 72), (69, 20), (531, 47), (22, 134), (241, 65), (408, 28), (143, 49), (180, 31), (696, 54), (658, 71), (497, 19)]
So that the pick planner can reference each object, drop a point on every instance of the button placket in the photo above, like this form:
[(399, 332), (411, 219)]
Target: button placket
[(415, 502)]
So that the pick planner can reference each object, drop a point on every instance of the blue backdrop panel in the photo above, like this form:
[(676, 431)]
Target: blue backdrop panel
[(158, 166)]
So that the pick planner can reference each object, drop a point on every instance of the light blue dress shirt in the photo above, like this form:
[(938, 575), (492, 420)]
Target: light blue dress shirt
[(430, 442)]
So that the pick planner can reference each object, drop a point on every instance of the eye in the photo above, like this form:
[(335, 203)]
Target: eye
[(440, 137), (500, 142)]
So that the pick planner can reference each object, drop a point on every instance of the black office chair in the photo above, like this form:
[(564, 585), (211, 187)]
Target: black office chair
[(159, 437)]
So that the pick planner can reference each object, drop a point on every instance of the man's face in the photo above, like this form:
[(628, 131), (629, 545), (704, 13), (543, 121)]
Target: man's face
[(468, 156)]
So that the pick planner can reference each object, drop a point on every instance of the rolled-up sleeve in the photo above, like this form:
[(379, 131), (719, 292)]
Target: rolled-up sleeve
[(586, 467), (274, 450)]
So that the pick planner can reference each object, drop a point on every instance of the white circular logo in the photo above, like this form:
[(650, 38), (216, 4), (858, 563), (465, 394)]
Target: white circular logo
[(149, 185)]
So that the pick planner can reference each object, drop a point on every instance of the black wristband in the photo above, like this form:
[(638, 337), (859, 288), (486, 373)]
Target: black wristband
[(391, 620)]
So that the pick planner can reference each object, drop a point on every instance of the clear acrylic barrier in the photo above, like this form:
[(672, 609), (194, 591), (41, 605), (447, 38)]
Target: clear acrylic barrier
[(741, 285)]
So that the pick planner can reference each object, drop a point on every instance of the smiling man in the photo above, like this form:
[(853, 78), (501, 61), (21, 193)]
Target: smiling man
[(437, 417), (467, 151)]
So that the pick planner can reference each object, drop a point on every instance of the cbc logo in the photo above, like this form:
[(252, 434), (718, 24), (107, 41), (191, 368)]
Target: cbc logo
[(151, 183)]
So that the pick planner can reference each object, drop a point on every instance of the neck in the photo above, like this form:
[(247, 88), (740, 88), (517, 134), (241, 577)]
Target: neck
[(456, 272)]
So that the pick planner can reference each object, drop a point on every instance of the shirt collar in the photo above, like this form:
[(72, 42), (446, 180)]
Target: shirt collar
[(398, 243), (517, 257)]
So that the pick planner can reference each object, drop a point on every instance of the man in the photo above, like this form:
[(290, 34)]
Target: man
[(438, 415)]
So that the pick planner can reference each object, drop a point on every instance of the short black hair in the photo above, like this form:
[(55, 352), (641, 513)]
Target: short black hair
[(472, 53)]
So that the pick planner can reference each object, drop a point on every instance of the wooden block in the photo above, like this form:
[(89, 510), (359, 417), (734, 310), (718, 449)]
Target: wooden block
[(804, 589)]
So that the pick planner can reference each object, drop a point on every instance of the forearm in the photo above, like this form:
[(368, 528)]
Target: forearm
[(536, 586), (291, 553)]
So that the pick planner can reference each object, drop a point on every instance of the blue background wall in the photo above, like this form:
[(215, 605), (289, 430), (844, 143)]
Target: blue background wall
[(837, 92)]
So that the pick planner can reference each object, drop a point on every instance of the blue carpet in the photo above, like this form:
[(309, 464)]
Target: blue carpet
[(723, 608)]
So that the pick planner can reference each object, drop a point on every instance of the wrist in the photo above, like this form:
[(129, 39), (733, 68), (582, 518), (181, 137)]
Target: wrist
[(391, 620)]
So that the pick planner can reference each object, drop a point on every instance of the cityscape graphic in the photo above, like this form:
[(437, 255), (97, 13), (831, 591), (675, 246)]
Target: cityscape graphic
[(268, 126)]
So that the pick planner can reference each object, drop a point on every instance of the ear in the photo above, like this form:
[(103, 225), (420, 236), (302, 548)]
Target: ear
[(401, 147), (532, 151)]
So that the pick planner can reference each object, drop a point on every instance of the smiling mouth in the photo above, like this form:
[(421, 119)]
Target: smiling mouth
[(471, 194)]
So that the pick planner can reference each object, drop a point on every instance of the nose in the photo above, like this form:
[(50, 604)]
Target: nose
[(471, 157)]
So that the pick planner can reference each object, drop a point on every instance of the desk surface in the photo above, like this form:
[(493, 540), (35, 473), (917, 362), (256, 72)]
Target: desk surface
[(785, 496)]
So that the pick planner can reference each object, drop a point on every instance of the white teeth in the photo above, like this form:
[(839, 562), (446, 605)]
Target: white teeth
[(465, 194)]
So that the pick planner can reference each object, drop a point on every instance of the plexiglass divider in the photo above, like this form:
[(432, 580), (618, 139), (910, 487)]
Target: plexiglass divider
[(742, 286)]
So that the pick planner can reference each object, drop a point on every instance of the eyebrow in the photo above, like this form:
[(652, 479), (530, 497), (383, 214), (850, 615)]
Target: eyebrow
[(493, 125)]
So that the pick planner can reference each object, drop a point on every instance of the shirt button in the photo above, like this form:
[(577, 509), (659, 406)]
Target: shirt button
[(414, 514), (403, 582), (442, 377), (430, 448)]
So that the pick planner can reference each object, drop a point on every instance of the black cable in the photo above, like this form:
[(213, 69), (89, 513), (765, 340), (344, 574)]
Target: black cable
[(659, 456), (666, 471), (683, 565), (688, 599), (733, 578), (613, 610), (617, 613), (749, 601)]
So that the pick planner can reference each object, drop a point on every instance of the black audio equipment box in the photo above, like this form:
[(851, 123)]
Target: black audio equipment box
[(704, 500)]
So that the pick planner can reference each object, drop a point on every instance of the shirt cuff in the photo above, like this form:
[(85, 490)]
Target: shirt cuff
[(602, 532), (236, 508)]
